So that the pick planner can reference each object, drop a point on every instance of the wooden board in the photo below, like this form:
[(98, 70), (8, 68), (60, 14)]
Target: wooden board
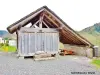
[(31, 42)]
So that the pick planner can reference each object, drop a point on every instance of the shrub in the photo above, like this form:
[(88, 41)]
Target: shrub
[(1, 44), (6, 44)]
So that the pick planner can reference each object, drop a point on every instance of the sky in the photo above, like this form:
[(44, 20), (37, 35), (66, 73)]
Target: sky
[(78, 14)]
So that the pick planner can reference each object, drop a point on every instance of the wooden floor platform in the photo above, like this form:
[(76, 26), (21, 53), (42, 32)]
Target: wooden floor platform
[(35, 57)]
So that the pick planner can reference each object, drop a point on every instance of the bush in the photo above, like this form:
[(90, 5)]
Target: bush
[(6, 44), (1, 44)]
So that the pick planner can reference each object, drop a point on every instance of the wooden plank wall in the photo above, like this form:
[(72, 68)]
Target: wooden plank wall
[(30, 43)]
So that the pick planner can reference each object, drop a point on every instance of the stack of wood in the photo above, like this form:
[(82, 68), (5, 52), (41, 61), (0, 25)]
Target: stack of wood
[(66, 52), (43, 56)]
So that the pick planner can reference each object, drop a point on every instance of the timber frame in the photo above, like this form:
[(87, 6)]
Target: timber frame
[(46, 18)]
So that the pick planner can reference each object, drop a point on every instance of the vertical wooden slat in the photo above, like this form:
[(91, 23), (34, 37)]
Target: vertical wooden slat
[(25, 44), (58, 41), (31, 42), (22, 43), (44, 42), (19, 43), (35, 41), (53, 42)]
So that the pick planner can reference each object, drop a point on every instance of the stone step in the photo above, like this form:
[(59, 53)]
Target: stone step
[(42, 55)]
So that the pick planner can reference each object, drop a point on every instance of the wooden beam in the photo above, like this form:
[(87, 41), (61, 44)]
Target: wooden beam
[(45, 24), (49, 23), (72, 31), (65, 39), (51, 20), (73, 37), (65, 33), (53, 30), (34, 23), (22, 22), (41, 19), (17, 40)]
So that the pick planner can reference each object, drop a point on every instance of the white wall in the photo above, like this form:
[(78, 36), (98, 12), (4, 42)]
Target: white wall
[(12, 42), (1, 41)]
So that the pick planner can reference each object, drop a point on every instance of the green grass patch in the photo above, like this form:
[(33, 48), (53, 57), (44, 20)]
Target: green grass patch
[(8, 48), (96, 62)]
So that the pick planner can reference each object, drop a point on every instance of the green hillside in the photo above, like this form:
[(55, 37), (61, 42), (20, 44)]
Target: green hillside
[(92, 33), (93, 39), (95, 29)]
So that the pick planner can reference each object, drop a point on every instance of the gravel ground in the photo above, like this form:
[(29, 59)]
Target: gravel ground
[(67, 65)]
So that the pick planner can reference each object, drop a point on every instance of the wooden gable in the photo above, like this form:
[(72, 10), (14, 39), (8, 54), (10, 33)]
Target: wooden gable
[(50, 20)]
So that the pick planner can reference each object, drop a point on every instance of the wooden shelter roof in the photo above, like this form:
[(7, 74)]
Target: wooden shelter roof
[(67, 34)]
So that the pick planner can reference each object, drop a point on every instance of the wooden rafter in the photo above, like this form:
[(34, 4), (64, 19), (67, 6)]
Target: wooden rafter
[(51, 20), (49, 23), (64, 37), (45, 24), (34, 24), (53, 17), (72, 32)]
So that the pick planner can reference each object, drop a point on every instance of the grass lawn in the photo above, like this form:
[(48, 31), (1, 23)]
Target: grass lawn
[(8, 49), (96, 62)]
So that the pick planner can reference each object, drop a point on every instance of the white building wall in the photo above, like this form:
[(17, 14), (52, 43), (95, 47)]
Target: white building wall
[(1, 40), (12, 42)]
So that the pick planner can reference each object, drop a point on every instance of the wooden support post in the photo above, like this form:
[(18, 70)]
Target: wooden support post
[(41, 20)]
